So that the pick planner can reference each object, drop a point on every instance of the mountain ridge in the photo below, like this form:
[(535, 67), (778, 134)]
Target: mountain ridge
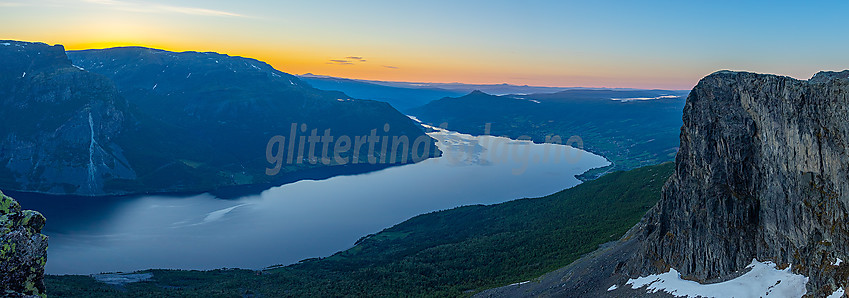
[(140, 120)]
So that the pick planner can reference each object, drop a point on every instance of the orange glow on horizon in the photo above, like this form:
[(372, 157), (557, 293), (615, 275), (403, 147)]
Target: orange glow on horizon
[(629, 45), (302, 60)]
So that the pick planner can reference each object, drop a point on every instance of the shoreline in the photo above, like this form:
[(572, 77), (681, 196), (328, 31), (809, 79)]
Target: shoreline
[(236, 192)]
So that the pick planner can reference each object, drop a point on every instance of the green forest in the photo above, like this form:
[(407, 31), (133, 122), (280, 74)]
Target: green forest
[(456, 252)]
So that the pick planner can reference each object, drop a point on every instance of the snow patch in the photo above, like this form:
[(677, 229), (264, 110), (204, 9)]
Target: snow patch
[(838, 262), (534, 101), (415, 119), (6, 44), (837, 294), (519, 283), (154, 86), (24, 75), (190, 74), (611, 288), (645, 98), (763, 280)]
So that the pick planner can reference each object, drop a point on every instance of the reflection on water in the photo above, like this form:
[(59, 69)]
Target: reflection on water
[(284, 224)]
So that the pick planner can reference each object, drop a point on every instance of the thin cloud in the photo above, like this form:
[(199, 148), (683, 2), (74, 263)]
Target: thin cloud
[(340, 62), (347, 61), (391, 67), (33, 3), (11, 4), (162, 8), (198, 11)]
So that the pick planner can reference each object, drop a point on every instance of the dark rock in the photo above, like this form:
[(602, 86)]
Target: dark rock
[(762, 173), (60, 123), (23, 250)]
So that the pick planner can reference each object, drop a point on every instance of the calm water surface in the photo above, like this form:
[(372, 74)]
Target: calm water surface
[(305, 219)]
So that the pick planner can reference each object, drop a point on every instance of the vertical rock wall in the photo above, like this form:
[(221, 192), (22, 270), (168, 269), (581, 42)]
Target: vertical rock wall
[(763, 172)]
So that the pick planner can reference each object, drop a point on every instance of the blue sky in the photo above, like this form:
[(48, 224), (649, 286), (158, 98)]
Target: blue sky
[(646, 44)]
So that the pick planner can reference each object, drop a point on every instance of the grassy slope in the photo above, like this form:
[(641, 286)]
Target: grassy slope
[(454, 252)]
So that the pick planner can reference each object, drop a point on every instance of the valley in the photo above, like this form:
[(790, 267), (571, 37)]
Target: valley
[(423, 149), (472, 247), (305, 219)]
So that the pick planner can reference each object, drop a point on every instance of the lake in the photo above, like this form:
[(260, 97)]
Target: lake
[(305, 219)]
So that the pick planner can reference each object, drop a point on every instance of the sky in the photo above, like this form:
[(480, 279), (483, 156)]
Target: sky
[(632, 44)]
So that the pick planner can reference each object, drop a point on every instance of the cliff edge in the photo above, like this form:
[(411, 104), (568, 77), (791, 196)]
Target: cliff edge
[(762, 174)]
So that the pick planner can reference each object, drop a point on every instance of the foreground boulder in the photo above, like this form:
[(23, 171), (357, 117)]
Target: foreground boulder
[(23, 250)]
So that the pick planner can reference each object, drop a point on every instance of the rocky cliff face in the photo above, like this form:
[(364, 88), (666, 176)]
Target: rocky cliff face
[(23, 250), (60, 123), (762, 173)]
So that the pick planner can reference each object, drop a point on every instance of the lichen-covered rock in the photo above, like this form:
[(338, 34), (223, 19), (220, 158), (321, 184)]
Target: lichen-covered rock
[(762, 172), (23, 250)]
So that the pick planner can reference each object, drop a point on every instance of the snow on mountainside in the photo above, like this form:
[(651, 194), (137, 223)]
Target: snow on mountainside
[(764, 279)]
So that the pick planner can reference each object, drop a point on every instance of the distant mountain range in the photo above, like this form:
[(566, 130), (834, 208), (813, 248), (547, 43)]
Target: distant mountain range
[(495, 89), (134, 120), (406, 95), (401, 97), (631, 128)]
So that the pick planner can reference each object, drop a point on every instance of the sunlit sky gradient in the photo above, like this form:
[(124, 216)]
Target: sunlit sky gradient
[(644, 44)]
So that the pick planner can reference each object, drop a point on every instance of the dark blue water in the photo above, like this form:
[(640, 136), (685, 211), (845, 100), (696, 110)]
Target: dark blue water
[(285, 224)]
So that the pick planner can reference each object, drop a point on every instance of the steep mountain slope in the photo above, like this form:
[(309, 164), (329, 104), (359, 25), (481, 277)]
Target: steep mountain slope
[(631, 128), (133, 120), (234, 106), (60, 123), (762, 175), (402, 98)]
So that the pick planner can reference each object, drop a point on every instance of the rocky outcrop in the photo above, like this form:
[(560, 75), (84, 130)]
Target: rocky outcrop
[(762, 173), (23, 250)]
